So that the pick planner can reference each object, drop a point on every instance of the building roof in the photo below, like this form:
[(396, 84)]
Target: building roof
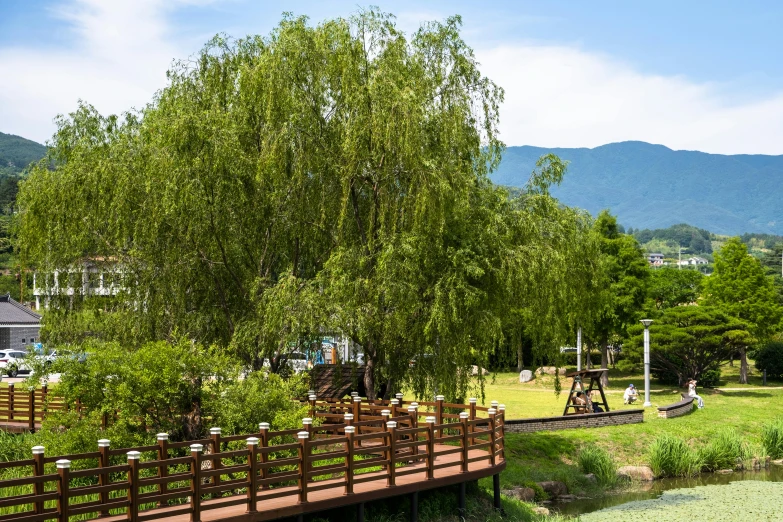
[(14, 313)]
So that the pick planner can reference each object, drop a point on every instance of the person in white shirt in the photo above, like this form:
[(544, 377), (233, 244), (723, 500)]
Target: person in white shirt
[(692, 393), (630, 395)]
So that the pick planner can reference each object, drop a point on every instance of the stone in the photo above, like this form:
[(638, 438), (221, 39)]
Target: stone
[(550, 370), (566, 498), (474, 370), (554, 488), (521, 493), (725, 471), (778, 462), (540, 510), (525, 376), (591, 478), (640, 473)]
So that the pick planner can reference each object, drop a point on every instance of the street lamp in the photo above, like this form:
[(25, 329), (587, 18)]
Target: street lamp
[(647, 323), (579, 349)]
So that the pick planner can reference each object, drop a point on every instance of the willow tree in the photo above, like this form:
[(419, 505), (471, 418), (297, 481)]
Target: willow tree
[(318, 178)]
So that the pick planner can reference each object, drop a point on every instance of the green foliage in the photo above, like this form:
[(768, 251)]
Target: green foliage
[(770, 358), (772, 438), (259, 398), (598, 461), (723, 451), (670, 456), (688, 341), (668, 287), (16, 153)]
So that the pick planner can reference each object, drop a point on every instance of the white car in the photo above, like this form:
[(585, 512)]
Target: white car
[(12, 362)]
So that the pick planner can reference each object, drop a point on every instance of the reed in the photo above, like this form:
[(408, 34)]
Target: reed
[(670, 456), (772, 438), (725, 450), (596, 460)]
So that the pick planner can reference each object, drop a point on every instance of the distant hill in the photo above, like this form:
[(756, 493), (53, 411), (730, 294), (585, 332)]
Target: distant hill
[(17, 152), (652, 186)]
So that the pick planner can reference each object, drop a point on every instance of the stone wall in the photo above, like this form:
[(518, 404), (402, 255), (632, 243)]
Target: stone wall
[(590, 420), (677, 409)]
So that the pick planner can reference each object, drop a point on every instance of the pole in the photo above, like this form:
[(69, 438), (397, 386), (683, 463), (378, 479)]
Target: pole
[(579, 349), (647, 366)]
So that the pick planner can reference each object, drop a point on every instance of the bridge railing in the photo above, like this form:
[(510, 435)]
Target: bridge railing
[(177, 478)]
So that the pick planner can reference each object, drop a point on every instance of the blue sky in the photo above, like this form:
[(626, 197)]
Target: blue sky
[(690, 75)]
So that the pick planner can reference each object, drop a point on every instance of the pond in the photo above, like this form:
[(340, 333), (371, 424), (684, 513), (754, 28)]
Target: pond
[(743, 493)]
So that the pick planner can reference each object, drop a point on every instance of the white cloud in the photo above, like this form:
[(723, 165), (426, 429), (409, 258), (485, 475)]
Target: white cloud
[(566, 97), (119, 59)]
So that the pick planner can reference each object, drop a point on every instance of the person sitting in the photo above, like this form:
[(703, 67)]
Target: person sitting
[(692, 393), (580, 402), (596, 407), (630, 395)]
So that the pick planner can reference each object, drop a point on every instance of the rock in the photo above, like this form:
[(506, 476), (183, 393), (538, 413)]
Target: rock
[(778, 462), (640, 473), (540, 510), (756, 464), (550, 370), (554, 488), (520, 493), (591, 478), (525, 376), (725, 471), (474, 370), (566, 498)]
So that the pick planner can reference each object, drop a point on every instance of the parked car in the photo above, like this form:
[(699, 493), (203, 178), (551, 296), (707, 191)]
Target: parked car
[(12, 362)]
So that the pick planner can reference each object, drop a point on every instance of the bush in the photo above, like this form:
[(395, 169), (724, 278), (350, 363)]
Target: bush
[(724, 451), (770, 358), (709, 379), (671, 457), (772, 438), (596, 460)]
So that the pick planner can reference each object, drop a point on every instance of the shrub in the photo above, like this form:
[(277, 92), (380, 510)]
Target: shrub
[(770, 357), (724, 451), (772, 438), (671, 457), (710, 378), (596, 460)]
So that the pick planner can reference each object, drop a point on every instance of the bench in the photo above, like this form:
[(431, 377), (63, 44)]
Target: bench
[(677, 409)]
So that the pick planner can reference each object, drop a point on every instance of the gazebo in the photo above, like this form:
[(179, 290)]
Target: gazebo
[(578, 388)]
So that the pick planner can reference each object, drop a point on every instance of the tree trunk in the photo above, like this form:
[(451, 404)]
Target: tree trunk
[(743, 379), (605, 363), (520, 364)]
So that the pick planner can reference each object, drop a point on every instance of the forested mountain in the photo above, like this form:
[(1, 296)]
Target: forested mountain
[(17, 152), (652, 186)]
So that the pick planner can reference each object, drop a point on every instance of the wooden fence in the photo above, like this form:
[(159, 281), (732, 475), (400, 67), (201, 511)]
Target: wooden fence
[(354, 446), (24, 409)]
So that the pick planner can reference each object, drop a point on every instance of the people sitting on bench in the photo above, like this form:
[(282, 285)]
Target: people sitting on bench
[(630, 395), (580, 402), (596, 403)]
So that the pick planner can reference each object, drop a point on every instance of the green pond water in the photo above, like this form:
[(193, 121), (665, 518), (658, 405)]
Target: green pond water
[(716, 497)]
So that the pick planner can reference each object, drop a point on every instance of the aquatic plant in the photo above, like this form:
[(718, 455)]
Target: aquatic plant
[(670, 456), (596, 460), (772, 438), (726, 450)]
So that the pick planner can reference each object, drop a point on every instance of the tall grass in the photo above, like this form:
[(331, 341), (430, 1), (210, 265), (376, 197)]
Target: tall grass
[(772, 438), (670, 456), (596, 460), (725, 450)]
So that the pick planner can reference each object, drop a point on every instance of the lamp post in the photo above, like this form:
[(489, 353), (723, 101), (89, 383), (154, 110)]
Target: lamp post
[(647, 323), (579, 349)]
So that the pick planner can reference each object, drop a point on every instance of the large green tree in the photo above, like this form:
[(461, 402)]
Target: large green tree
[(321, 178), (668, 287), (740, 286)]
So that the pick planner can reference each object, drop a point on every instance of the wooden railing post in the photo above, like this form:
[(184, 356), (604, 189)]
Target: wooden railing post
[(133, 486), (391, 427), (349, 432), (312, 399), (394, 406), (195, 482), (103, 478), (399, 397), (357, 415), (430, 447), (63, 489), (252, 474), (472, 402), (10, 401), (31, 410), (38, 470), (439, 409), (263, 436), (492, 435), (414, 414), (502, 414), (304, 452), (214, 434), (465, 442), (307, 425), (163, 469)]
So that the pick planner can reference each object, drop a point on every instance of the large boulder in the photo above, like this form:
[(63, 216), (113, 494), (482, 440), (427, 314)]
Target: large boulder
[(525, 376), (554, 488), (520, 493), (550, 370), (474, 371), (541, 510), (640, 473)]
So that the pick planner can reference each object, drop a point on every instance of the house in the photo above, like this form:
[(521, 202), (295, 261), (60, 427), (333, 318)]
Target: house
[(19, 326), (655, 259), (92, 277), (697, 261)]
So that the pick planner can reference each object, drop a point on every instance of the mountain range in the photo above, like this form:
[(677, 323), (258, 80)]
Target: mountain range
[(17, 152), (652, 186)]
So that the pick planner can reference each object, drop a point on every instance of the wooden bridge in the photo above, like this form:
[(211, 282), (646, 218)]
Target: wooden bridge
[(348, 452)]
